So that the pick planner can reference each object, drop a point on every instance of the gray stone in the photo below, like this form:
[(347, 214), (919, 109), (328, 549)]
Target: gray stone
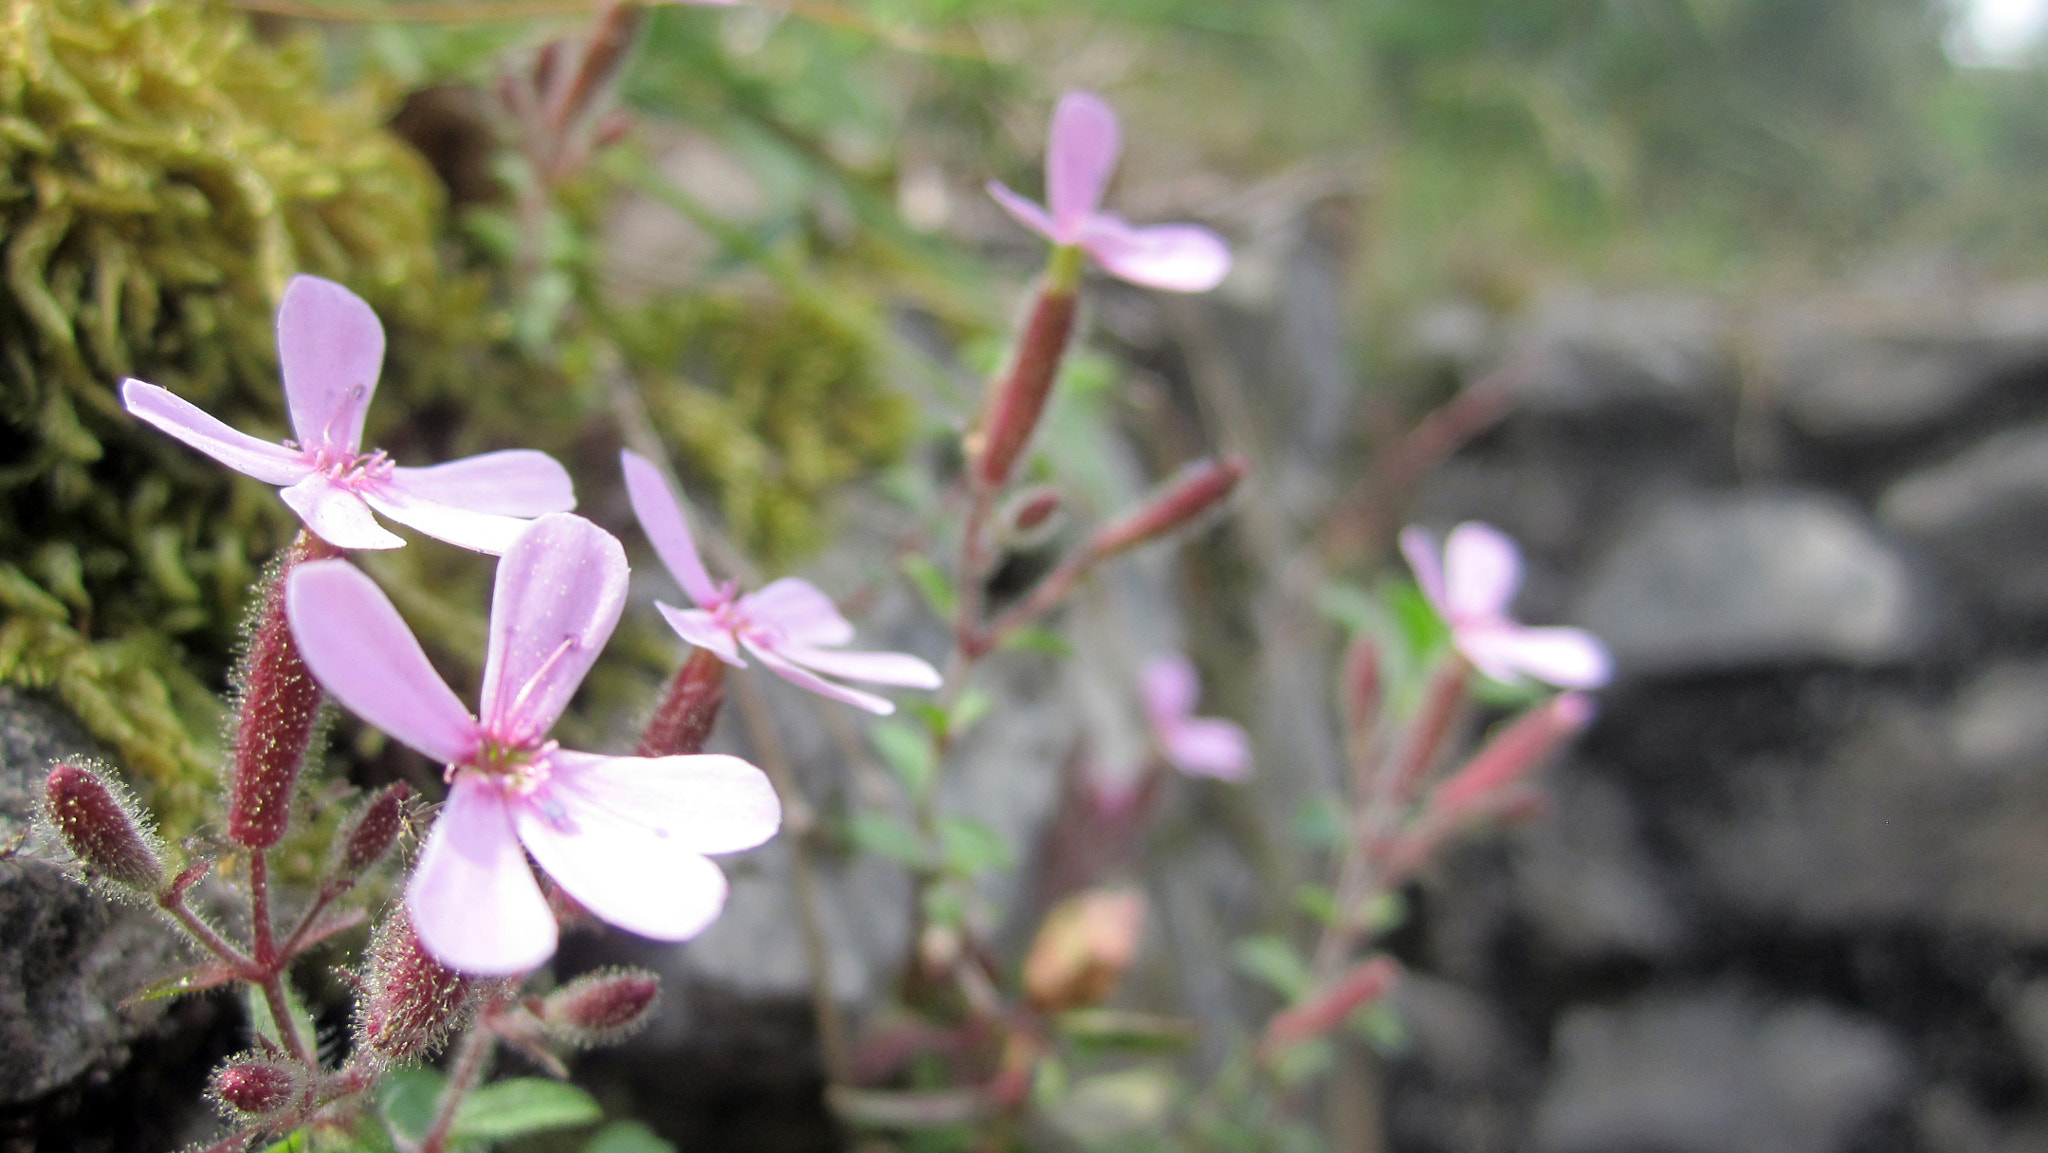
[(2000, 719), (1858, 367), (1982, 514), (1750, 579), (68, 954), (1718, 1071), (1580, 354), (1585, 880)]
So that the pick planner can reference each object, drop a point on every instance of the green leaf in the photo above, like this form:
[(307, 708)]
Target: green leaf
[(1125, 1030), (627, 1137), (1035, 639), (1381, 1027), (1383, 912), (885, 836), (932, 715), (971, 847), (974, 705), (1422, 632), (523, 1105), (933, 582), (407, 1097), (909, 753), (1322, 823), (1272, 961), (1317, 901), (298, 1142), (945, 904)]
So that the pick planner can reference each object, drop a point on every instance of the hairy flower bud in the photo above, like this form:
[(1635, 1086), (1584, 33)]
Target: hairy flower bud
[(1198, 488), (1019, 398), (1363, 984), (682, 721), (1031, 515), (370, 831), (255, 1087), (101, 826), (410, 1001), (1083, 948), (1510, 756), (601, 1006), (280, 703)]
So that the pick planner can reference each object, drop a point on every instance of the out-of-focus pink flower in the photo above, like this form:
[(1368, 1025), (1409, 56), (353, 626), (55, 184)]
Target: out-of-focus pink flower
[(332, 348), (1472, 588), (624, 836), (1078, 162), (789, 626), (1203, 746)]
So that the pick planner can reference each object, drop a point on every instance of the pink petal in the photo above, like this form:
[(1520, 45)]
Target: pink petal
[(1209, 747), (337, 515), (1482, 570), (703, 630), (481, 531), (1170, 686), (797, 614), (332, 348), (1027, 212), (516, 482), (1175, 257), (661, 518), (619, 868), (473, 899), (1420, 550), (267, 462), (805, 679), (708, 804), (358, 648), (1078, 162), (881, 668), (1567, 658), (559, 592)]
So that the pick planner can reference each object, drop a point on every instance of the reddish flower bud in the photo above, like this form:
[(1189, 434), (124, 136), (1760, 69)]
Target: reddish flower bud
[(1365, 983), (601, 1006), (1019, 398), (280, 703), (101, 825), (1083, 948), (255, 1087), (1199, 487), (1509, 757), (410, 1001), (370, 831), (1031, 510), (682, 721)]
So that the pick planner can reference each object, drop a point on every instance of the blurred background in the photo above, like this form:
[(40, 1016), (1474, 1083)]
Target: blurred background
[(1732, 312)]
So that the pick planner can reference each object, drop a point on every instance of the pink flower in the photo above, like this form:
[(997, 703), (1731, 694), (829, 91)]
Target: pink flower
[(1203, 746), (332, 348), (625, 836), (791, 626), (1078, 162), (1472, 588)]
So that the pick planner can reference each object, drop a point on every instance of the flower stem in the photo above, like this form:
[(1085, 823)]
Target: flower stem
[(468, 1069), (173, 902)]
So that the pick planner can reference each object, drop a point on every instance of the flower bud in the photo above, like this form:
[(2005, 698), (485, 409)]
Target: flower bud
[(1083, 948), (682, 721), (1509, 757), (601, 1006), (1031, 515), (410, 1000), (1365, 983), (370, 831), (254, 1087), (99, 823), (1019, 398), (1199, 487), (280, 703)]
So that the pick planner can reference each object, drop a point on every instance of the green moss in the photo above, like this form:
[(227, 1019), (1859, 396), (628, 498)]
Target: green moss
[(162, 175)]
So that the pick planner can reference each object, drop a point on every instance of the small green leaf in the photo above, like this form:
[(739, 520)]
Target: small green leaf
[(523, 1105), (1381, 1027), (1273, 962), (885, 836), (1422, 631), (945, 904), (933, 717), (974, 705), (1322, 823), (1037, 640), (627, 1137), (1304, 1062), (971, 847), (1383, 912), (1125, 1030), (909, 753), (298, 1142), (407, 1097), (933, 582), (1317, 901)]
